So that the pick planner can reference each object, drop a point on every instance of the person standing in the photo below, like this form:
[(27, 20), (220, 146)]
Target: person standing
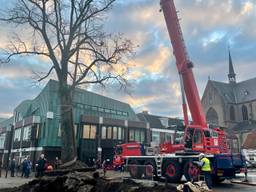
[(23, 167), (57, 163), (41, 164), (27, 168), (13, 165), (206, 169), (244, 154), (104, 167)]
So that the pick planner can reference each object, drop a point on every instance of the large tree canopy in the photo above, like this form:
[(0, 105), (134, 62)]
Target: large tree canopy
[(69, 33)]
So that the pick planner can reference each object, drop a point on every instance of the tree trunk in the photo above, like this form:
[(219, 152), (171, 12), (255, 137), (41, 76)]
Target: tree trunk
[(68, 149)]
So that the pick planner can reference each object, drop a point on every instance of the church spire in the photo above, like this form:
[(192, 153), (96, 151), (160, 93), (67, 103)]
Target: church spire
[(231, 75)]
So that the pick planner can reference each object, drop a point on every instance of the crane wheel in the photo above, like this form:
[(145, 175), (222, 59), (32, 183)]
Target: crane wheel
[(191, 171), (135, 169), (149, 169), (172, 171), (216, 180)]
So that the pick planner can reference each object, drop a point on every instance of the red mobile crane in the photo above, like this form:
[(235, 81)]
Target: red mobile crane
[(197, 137), (172, 163)]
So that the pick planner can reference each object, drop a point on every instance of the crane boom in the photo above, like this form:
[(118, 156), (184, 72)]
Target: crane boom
[(183, 63)]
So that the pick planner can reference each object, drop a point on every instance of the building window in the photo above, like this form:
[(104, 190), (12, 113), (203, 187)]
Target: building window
[(26, 133), (120, 133), (17, 134), (114, 132), (232, 113), (197, 137), (101, 109), (109, 132), (75, 130), (212, 117), (37, 131), (89, 131), (210, 98), (93, 132), (2, 140), (155, 137), (245, 113), (142, 136), (131, 135), (103, 132), (59, 130)]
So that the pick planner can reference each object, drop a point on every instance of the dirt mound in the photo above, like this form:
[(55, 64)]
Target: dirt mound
[(87, 182), (76, 165)]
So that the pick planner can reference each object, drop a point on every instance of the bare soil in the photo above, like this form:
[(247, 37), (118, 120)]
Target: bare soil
[(86, 182)]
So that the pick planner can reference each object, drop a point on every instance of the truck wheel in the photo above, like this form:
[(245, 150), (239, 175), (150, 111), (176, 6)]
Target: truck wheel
[(135, 169), (149, 169), (191, 171), (172, 171), (216, 180)]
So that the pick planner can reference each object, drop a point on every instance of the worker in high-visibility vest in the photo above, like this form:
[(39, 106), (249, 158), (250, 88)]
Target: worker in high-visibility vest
[(206, 169)]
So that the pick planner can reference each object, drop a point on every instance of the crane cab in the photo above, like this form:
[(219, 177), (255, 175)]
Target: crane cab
[(197, 139)]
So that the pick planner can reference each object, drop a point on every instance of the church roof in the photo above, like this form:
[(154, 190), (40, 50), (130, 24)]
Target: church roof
[(245, 90), (236, 93), (225, 90)]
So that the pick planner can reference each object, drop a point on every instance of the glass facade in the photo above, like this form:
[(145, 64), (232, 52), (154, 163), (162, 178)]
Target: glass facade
[(112, 132)]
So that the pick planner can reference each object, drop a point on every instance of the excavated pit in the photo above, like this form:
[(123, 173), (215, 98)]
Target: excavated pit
[(87, 182)]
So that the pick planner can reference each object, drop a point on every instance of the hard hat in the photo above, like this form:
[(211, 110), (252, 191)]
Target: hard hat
[(201, 155)]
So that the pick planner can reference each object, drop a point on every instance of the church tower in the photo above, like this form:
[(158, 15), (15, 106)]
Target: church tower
[(231, 75)]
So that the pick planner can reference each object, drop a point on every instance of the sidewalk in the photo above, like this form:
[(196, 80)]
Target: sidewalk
[(10, 182), (251, 178)]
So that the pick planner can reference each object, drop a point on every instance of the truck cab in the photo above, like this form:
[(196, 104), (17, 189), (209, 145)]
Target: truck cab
[(124, 150)]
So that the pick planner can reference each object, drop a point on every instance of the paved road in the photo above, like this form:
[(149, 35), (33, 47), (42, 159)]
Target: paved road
[(10, 182), (226, 187)]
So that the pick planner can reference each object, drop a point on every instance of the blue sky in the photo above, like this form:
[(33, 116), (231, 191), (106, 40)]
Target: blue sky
[(209, 26)]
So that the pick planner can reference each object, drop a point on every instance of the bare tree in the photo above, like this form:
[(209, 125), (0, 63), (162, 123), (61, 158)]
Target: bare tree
[(70, 34)]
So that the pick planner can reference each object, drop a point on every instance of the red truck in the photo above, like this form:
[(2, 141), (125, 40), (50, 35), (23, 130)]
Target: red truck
[(176, 159)]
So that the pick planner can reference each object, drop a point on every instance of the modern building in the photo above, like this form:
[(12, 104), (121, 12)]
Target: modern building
[(231, 105), (99, 123)]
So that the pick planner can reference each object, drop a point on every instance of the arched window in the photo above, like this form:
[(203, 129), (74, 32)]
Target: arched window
[(212, 117), (245, 113), (232, 113)]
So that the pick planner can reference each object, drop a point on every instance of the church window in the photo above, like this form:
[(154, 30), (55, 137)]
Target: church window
[(212, 117), (210, 98), (245, 113), (232, 113)]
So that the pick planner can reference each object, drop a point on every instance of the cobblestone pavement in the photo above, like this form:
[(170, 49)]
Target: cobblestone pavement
[(10, 182)]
